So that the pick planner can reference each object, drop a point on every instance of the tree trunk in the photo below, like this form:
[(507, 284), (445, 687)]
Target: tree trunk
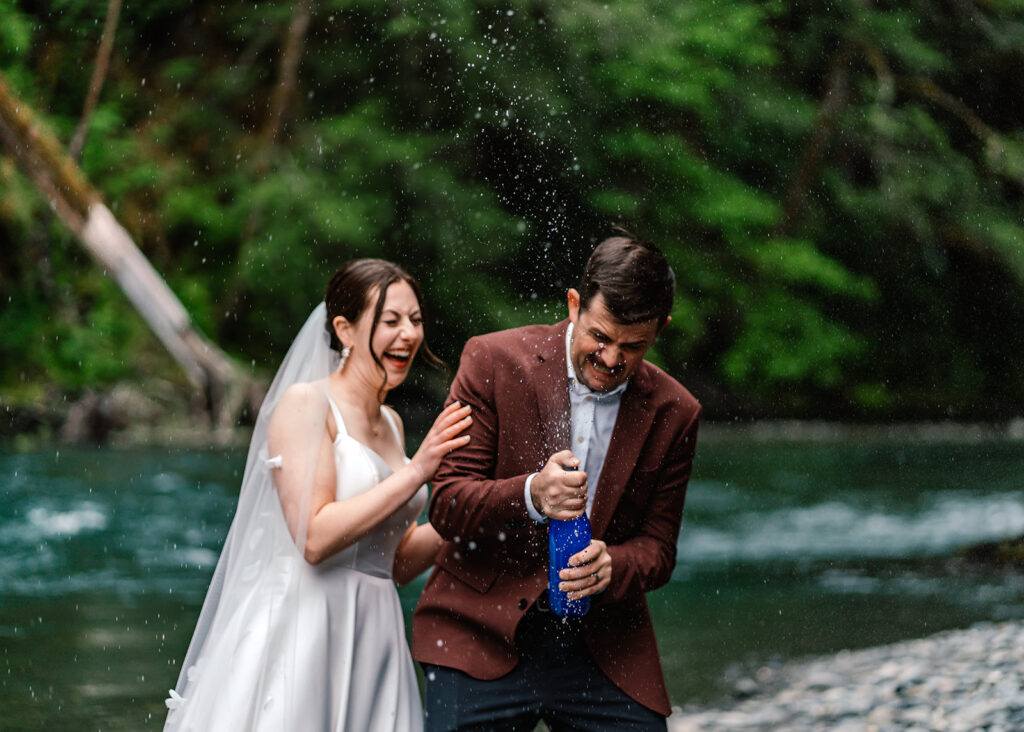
[(806, 171), (223, 385), (294, 45), (99, 75)]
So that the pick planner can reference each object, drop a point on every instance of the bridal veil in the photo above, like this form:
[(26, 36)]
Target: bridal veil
[(257, 581)]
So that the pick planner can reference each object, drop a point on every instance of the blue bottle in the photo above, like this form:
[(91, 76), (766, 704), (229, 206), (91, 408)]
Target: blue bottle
[(566, 538)]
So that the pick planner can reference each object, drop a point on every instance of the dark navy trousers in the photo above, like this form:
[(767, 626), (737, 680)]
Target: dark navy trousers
[(555, 680)]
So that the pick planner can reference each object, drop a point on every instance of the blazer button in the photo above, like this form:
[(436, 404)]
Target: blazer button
[(522, 603)]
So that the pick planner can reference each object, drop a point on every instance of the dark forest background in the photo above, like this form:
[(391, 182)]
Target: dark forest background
[(839, 185)]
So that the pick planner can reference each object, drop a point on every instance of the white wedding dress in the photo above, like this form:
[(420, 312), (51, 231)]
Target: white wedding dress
[(314, 648)]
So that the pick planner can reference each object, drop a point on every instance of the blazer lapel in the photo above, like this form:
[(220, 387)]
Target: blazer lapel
[(632, 425), (552, 388)]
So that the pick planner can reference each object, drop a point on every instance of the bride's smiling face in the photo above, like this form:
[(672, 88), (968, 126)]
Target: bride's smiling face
[(395, 340)]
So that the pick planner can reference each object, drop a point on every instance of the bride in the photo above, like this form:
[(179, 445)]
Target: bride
[(302, 628)]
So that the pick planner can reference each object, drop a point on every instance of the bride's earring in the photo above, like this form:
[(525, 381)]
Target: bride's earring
[(344, 357)]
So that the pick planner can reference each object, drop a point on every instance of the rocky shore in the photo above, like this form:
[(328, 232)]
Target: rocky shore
[(957, 680), (156, 412), (159, 412)]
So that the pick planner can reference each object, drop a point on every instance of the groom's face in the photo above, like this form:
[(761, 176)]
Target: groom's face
[(603, 351)]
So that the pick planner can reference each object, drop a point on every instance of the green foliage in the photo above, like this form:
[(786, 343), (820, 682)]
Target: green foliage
[(73, 339), (838, 185), (790, 351), (15, 35)]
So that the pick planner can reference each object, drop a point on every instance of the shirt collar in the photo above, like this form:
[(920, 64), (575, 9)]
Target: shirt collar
[(576, 386)]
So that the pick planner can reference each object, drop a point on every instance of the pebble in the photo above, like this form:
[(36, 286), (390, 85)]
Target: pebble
[(956, 681)]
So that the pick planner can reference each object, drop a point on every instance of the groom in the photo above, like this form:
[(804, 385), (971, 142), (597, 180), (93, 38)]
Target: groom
[(545, 398)]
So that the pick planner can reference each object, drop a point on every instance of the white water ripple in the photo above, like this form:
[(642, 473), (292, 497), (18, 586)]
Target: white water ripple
[(86, 517), (835, 530)]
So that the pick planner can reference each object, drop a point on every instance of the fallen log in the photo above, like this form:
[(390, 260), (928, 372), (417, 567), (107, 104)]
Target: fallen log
[(225, 388)]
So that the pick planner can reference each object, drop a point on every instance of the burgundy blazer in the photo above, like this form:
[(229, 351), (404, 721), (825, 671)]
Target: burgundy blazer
[(493, 564)]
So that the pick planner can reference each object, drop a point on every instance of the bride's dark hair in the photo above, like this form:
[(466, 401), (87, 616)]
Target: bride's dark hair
[(348, 294)]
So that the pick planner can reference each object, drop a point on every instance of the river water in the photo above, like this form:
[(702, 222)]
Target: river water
[(788, 549)]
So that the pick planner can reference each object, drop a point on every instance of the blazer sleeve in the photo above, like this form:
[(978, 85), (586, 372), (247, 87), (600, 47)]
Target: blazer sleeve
[(645, 561), (468, 501)]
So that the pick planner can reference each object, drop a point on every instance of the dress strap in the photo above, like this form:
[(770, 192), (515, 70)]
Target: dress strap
[(394, 426), (338, 421)]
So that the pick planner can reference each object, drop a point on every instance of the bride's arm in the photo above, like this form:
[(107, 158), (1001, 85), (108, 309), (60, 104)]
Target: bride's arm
[(416, 553), (419, 546), (333, 525), (336, 525)]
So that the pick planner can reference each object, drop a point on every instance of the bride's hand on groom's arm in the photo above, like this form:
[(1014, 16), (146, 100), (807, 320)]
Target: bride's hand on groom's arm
[(443, 437)]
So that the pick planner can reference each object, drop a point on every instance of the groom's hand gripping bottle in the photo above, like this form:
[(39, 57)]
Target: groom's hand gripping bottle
[(566, 538)]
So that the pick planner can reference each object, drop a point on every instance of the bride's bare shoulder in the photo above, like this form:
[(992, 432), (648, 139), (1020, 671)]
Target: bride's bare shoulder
[(300, 397)]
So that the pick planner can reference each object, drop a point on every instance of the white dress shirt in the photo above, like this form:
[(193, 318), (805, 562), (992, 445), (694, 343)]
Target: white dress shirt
[(593, 415)]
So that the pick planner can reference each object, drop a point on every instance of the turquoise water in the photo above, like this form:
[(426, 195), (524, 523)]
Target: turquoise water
[(787, 550)]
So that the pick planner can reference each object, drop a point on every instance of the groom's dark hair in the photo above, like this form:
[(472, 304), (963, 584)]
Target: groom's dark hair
[(632, 276)]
